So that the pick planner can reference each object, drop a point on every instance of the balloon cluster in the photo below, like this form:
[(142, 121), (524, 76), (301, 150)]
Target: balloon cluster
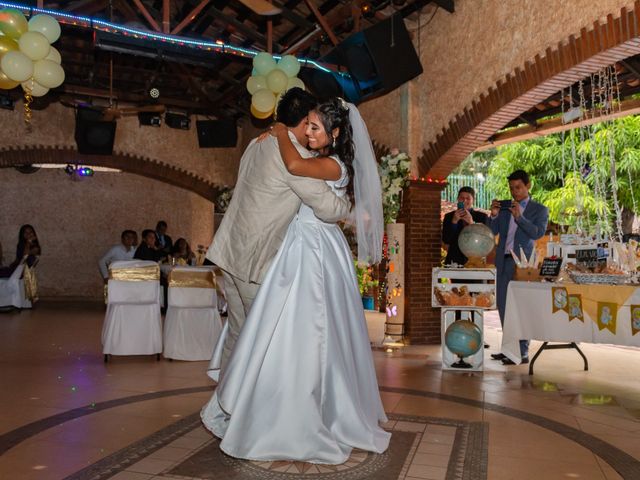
[(270, 80), (26, 55)]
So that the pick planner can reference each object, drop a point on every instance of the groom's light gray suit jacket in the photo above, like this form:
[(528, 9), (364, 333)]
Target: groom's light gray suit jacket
[(265, 200)]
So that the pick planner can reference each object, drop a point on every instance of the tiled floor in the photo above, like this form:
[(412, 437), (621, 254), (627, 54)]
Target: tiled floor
[(561, 423)]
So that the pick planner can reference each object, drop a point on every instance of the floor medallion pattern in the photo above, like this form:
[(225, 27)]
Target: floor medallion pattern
[(421, 447)]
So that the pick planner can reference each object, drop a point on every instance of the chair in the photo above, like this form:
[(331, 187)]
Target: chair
[(12, 289), (133, 325), (192, 324)]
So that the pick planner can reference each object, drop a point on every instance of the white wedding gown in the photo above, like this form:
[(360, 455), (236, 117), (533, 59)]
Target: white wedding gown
[(300, 383)]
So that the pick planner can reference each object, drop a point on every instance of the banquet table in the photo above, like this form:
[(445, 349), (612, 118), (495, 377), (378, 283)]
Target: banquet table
[(608, 314)]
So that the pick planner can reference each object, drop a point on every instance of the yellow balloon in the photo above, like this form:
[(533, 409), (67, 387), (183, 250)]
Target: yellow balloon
[(46, 25), (295, 82), (54, 55), (48, 73), (260, 115), (34, 45), (7, 45), (263, 101), (289, 65), (12, 22), (34, 88), (6, 83), (277, 80), (255, 83), (17, 66)]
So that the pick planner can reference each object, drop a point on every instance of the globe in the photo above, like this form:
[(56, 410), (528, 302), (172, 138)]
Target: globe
[(476, 241), (464, 338)]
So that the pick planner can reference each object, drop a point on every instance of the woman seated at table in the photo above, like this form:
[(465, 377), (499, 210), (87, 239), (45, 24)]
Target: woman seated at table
[(147, 249), (28, 246), (182, 253)]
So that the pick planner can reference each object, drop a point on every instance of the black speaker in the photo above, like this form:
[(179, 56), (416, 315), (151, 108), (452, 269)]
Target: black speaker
[(94, 136), (379, 58), (217, 133)]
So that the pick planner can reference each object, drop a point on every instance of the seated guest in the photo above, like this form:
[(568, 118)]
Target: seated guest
[(182, 253), (28, 246), (163, 241), (122, 251), (454, 222), (147, 249)]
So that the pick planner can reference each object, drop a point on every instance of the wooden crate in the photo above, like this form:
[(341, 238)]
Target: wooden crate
[(446, 279)]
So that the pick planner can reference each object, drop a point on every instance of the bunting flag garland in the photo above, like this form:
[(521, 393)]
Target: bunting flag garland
[(560, 299), (607, 316), (575, 307), (635, 319)]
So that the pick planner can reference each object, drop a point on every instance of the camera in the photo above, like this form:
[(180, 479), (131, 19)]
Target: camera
[(506, 204)]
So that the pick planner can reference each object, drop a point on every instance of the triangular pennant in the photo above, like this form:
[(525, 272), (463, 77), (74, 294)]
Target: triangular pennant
[(635, 319), (575, 307), (607, 316), (559, 299)]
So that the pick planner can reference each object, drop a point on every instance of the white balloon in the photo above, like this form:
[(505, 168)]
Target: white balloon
[(46, 25), (34, 45), (34, 88), (54, 55), (295, 82), (48, 73), (17, 66)]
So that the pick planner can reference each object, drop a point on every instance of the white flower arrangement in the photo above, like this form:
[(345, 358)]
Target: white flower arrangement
[(394, 172), (223, 199)]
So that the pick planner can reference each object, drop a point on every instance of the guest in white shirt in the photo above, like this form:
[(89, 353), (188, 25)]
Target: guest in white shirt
[(122, 251)]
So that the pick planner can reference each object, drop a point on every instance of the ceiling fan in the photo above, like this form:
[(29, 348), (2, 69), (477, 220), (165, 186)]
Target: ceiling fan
[(261, 7)]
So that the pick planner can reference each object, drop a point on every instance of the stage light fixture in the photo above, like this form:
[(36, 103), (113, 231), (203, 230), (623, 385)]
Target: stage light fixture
[(154, 93), (367, 10), (149, 118), (85, 172), (177, 120), (69, 169)]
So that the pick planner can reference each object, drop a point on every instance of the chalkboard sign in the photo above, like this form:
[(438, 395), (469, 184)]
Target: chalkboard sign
[(550, 267), (590, 258)]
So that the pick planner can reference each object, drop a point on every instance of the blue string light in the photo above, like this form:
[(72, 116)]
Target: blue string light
[(98, 24)]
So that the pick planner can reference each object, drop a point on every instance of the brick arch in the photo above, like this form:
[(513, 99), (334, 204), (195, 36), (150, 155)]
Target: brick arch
[(557, 68), (139, 165)]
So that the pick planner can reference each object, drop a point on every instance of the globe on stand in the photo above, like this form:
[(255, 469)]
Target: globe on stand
[(464, 338), (476, 241)]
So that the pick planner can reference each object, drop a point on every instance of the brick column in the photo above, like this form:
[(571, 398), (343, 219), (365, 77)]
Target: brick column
[(421, 215)]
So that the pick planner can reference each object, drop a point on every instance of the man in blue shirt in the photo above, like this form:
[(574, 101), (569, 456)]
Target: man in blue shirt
[(519, 224)]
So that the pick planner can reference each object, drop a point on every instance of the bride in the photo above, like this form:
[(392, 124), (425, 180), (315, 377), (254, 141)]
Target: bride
[(300, 383)]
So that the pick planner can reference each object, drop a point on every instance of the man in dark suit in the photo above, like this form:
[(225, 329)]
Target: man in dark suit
[(519, 224), (163, 241), (454, 222), (147, 249)]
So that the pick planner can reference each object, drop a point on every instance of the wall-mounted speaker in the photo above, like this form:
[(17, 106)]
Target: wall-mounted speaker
[(217, 133), (379, 58), (93, 135)]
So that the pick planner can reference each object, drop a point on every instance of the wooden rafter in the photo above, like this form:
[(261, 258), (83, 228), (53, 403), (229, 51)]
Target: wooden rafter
[(190, 17), (322, 21), (166, 16), (147, 15)]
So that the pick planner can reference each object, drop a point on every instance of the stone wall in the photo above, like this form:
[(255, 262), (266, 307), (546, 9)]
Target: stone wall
[(78, 221)]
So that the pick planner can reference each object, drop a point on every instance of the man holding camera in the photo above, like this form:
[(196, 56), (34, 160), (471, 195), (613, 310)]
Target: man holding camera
[(520, 222), (455, 221)]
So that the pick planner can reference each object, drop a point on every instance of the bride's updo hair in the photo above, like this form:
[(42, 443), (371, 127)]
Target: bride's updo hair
[(334, 113)]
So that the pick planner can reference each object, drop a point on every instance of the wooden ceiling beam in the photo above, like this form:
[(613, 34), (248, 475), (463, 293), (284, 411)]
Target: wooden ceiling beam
[(323, 22), (241, 27), (190, 17), (166, 16), (147, 15)]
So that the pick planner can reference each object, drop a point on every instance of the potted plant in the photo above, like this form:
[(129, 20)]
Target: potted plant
[(365, 283)]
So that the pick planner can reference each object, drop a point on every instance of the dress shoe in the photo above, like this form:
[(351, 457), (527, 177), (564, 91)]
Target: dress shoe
[(498, 356), (486, 345), (508, 361)]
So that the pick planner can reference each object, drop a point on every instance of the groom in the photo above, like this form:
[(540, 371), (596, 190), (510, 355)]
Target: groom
[(265, 200)]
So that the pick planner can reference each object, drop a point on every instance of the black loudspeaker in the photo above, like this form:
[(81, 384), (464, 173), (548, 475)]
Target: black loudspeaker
[(94, 136), (217, 133), (379, 58)]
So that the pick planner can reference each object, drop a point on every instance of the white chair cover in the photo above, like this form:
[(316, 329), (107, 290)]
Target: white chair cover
[(132, 325), (192, 324), (12, 293)]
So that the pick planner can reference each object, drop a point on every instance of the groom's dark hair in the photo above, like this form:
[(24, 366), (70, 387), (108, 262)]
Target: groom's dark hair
[(294, 105)]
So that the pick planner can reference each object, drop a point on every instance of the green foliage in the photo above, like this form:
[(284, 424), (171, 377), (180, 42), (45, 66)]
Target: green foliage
[(394, 172), (542, 159), (365, 278)]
